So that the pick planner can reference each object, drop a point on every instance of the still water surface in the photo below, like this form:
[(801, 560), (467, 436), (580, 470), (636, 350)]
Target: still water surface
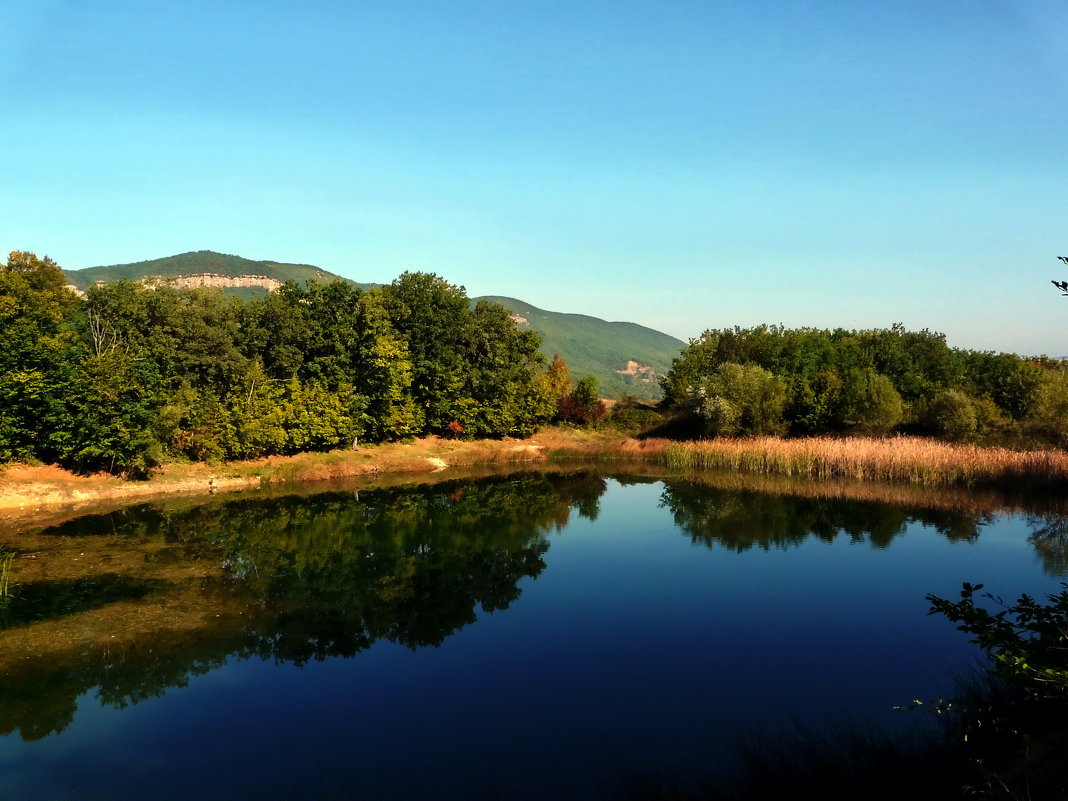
[(531, 636)]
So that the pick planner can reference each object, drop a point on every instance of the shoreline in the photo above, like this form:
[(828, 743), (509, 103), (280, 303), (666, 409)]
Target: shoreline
[(27, 491)]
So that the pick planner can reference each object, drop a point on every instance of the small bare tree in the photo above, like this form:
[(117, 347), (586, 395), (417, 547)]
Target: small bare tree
[(1062, 285)]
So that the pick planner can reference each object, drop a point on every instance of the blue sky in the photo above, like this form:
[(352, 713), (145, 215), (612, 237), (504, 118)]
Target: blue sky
[(684, 165)]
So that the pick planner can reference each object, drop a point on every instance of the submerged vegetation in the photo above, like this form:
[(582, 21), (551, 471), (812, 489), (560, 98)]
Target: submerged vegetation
[(6, 558)]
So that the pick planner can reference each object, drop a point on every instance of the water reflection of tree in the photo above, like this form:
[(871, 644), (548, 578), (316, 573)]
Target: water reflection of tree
[(318, 577), (740, 520), (1049, 537)]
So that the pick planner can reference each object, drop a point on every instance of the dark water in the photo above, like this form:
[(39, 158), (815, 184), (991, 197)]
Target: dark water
[(533, 636)]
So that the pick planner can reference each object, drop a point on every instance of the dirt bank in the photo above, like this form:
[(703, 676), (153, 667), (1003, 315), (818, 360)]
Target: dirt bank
[(26, 491)]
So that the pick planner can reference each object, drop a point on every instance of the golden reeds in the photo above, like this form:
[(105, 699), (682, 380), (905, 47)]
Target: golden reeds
[(901, 459)]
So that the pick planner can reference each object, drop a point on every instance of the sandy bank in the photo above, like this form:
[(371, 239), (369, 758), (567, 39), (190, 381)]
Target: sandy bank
[(26, 490)]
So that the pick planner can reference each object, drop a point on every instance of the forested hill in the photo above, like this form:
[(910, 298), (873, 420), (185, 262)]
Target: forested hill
[(243, 277), (623, 357)]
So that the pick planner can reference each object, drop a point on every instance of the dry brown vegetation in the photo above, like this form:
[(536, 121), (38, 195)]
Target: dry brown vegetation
[(911, 460), (29, 491)]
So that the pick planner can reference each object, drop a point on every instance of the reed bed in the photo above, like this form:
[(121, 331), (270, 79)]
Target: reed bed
[(898, 459), (6, 559)]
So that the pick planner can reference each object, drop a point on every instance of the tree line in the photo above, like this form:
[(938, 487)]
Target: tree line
[(130, 375), (775, 380)]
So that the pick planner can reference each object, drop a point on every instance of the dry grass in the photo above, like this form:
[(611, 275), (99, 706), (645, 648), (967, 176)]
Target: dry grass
[(27, 491), (899, 459), (5, 574)]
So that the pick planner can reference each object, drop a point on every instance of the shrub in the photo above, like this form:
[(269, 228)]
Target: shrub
[(952, 415), (1050, 412), (633, 417), (870, 402), (583, 405), (721, 417), (741, 399)]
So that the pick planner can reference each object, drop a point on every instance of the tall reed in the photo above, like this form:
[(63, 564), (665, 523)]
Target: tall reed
[(902, 459), (6, 559)]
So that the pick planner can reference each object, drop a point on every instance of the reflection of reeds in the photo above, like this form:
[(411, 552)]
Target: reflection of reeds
[(905, 459), (5, 575)]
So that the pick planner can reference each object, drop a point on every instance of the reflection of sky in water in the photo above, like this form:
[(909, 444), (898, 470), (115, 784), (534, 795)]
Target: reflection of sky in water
[(635, 649)]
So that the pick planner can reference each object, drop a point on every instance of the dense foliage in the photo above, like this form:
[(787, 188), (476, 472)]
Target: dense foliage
[(808, 381), (130, 374)]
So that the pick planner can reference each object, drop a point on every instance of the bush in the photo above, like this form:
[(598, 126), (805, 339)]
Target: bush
[(741, 399), (870, 402), (583, 405), (633, 417), (1050, 412), (951, 415), (721, 417)]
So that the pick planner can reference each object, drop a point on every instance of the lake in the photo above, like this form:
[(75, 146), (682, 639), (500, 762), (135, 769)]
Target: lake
[(529, 636)]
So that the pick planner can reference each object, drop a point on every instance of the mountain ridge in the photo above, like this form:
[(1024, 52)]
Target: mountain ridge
[(624, 357)]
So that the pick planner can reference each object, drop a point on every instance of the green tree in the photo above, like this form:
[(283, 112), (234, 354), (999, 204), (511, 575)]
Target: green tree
[(814, 404), (583, 405), (430, 315), (952, 415), (743, 399), (1025, 642), (696, 362), (504, 362), (319, 419), (384, 377), (37, 358), (869, 402), (255, 410), (549, 388), (1050, 411), (112, 406), (195, 423)]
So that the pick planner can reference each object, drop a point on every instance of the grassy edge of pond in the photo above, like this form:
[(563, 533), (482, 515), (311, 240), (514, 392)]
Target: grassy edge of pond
[(898, 460)]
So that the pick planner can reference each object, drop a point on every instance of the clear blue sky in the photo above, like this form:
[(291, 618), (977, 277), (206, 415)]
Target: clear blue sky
[(683, 165)]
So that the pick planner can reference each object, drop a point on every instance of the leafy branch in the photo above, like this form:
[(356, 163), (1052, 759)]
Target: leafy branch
[(1026, 642)]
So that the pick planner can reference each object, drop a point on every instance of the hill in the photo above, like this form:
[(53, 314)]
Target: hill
[(207, 268), (623, 357)]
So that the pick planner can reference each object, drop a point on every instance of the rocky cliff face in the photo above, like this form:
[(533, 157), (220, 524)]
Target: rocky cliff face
[(641, 372), (201, 279), (213, 279)]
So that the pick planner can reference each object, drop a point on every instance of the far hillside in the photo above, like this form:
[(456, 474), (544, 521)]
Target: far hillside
[(235, 275), (625, 358)]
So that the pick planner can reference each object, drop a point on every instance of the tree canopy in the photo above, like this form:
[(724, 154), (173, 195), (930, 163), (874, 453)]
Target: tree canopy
[(872, 381), (131, 374)]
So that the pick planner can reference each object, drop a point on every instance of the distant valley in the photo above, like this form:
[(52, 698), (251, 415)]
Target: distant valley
[(623, 357)]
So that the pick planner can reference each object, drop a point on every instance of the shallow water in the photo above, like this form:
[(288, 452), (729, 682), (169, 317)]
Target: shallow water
[(531, 636)]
